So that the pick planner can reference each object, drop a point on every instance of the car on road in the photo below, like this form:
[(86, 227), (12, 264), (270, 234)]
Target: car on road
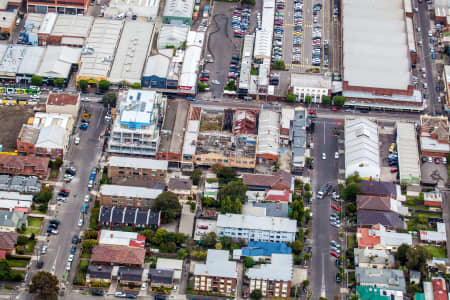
[(120, 294), (335, 244), (44, 250), (335, 207), (312, 112), (335, 249), (332, 253), (75, 240), (77, 140), (86, 198), (324, 155), (40, 264), (335, 224), (64, 193), (394, 170), (337, 263), (144, 286), (175, 287), (70, 259), (437, 160), (84, 126), (430, 33), (444, 160), (131, 296), (80, 222), (430, 159), (338, 278), (336, 155), (52, 231), (335, 109), (97, 292), (68, 266)]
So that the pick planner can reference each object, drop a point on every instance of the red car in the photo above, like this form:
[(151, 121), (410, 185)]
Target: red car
[(203, 79), (335, 207), (312, 112), (65, 191), (437, 160), (335, 109), (394, 170), (333, 253)]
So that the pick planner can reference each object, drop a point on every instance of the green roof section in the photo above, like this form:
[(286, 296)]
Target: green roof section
[(370, 293)]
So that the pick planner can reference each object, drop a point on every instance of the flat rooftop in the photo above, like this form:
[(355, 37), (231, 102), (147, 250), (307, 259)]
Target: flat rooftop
[(375, 44), (72, 25), (174, 126)]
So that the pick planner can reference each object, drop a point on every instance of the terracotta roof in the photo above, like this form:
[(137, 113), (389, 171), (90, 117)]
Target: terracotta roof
[(195, 113), (373, 202), (20, 162), (62, 99), (209, 213), (179, 184), (280, 177), (439, 289), (119, 255), (8, 240), (365, 240), (274, 195)]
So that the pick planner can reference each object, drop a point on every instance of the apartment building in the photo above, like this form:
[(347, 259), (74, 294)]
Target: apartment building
[(135, 167), (218, 275), (127, 196), (136, 128), (256, 228), (272, 279)]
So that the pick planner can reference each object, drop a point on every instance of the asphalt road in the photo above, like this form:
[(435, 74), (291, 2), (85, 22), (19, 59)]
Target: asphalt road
[(83, 157), (325, 171)]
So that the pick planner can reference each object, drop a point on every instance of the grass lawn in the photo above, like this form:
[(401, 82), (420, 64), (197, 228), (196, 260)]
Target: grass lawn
[(86, 255), (30, 247), (32, 230), (18, 263), (351, 241), (437, 251), (84, 263), (54, 174), (37, 212), (34, 222)]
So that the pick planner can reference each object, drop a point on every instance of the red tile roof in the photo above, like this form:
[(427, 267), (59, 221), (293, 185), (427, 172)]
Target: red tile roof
[(139, 242), (8, 240), (365, 240), (20, 162), (277, 196), (118, 255), (439, 289), (280, 180), (195, 113), (62, 99)]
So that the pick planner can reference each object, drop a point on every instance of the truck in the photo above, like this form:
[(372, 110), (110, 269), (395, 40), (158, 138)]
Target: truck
[(206, 12)]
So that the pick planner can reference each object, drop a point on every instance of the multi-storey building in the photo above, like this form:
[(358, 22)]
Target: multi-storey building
[(272, 279), (128, 196), (136, 128), (218, 275), (256, 228), (73, 7), (135, 167)]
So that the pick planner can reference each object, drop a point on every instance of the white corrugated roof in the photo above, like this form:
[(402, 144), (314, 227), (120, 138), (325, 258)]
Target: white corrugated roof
[(217, 264), (58, 60), (158, 65), (268, 132), (408, 153), (179, 8), (32, 60), (281, 267), (136, 162), (246, 61), (120, 238), (287, 115), (189, 71), (72, 25), (374, 38), (256, 223), (129, 191), (172, 34), (140, 8), (48, 23), (51, 137)]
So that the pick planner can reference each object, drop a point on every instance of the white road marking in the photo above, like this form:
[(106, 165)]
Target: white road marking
[(323, 289)]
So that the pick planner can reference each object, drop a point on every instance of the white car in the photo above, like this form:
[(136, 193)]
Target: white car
[(324, 156), (336, 155), (70, 259), (86, 198), (144, 286), (430, 33), (77, 140), (80, 222), (215, 82), (44, 249), (175, 288), (68, 266)]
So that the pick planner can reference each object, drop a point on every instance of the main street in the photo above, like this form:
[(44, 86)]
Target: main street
[(325, 172)]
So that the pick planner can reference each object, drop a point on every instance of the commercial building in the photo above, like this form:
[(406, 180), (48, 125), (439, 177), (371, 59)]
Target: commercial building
[(131, 53), (135, 130), (24, 165), (136, 218), (59, 62), (8, 21), (375, 41), (381, 278), (218, 275), (190, 137), (287, 116), (74, 7), (172, 35), (298, 141), (246, 64), (135, 167), (263, 38), (163, 70), (10, 5), (313, 85), (178, 12), (33, 22), (408, 153), (63, 104), (361, 149), (189, 71), (11, 59), (141, 10), (101, 47), (434, 136), (172, 132), (272, 279), (268, 137), (30, 64), (127, 196), (252, 228)]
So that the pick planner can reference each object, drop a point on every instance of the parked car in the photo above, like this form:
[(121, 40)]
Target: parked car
[(332, 253), (73, 249), (335, 207), (120, 294)]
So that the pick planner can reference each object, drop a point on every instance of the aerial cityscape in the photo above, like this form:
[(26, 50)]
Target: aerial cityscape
[(224, 149)]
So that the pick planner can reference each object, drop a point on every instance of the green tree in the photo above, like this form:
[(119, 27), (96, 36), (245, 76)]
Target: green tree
[(90, 234), (169, 206), (225, 174), (297, 247), (136, 86), (44, 196), (291, 98), (171, 247), (308, 100), (209, 241), (422, 219), (338, 100), (256, 295), (228, 195), (226, 242), (248, 262), (181, 254), (159, 236), (59, 82), (5, 270), (305, 284), (196, 176), (351, 190), (45, 285), (237, 207), (231, 86), (248, 2), (104, 85), (413, 288), (202, 86), (326, 100), (307, 187), (36, 80), (83, 84), (278, 65), (416, 258), (22, 240), (88, 245), (109, 99)]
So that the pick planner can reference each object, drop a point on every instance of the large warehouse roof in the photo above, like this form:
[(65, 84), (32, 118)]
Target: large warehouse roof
[(132, 52), (72, 25), (408, 153), (268, 133), (192, 57), (375, 44), (361, 148), (179, 8), (58, 60), (172, 35)]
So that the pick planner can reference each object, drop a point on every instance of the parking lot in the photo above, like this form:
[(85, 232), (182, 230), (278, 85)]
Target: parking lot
[(203, 227), (389, 168)]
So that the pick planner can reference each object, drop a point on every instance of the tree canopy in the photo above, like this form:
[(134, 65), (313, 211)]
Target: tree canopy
[(36, 80), (291, 98), (109, 99), (45, 285), (59, 82), (169, 206), (104, 85)]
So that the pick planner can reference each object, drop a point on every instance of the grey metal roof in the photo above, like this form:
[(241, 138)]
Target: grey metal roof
[(280, 210), (172, 34), (383, 278), (32, 60), (217, 264), (256, 223), (136, 162), (179, 8), (298, 135), (408, 153), (280, 268), (129, 191)]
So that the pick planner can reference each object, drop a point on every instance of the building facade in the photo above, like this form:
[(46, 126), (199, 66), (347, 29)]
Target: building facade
[(134, 167), (127, 196), (73, 7)]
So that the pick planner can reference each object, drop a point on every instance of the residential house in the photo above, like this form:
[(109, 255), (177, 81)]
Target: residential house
[(266, 209), (373, 258), (10, 221), (281, 180), (176, 265), (129, 275), (182, 188), (389, 219), (61, 103), (380, 203), (8, 241), (439, 288), (135, 167), (111, 237), (218, 275), (272, 279), (368, 292), (136, 218), (378, 237), (118, 255), (261, 250), (24, 184), (434, 237), (378, 188), (161, 278), (99, 273), (433, 199), (127, 196), (252, 228), (13, 201), (24, 165), (381, 278), (434, 136)]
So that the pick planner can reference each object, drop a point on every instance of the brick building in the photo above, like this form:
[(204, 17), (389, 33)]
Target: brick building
[(127, 196), (63, 104), (24, 165), (133, 167), (73, 7)]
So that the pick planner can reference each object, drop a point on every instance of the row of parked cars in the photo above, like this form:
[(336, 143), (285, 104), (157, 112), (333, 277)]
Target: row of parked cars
[(233, 72), (298, 31), (277, 46), (240, 21), (316, 37)]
